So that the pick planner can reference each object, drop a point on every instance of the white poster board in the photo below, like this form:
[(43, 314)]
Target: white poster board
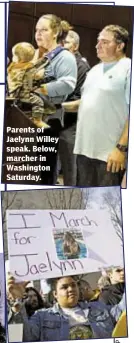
[(51, 243), (15, 332)]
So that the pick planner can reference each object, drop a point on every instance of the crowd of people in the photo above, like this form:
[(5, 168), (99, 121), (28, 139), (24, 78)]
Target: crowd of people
[(72, 308), (59, 83)]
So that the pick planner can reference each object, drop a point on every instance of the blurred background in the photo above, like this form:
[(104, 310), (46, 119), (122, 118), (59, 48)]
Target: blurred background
[(87, 20)]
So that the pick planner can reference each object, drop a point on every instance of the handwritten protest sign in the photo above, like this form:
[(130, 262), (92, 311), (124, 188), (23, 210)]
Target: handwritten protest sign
[(50, 243)]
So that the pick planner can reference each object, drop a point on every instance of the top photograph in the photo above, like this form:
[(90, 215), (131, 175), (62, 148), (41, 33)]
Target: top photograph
[(68, 94)]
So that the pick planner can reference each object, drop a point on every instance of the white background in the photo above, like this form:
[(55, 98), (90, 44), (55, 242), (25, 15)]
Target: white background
[(127, 195)]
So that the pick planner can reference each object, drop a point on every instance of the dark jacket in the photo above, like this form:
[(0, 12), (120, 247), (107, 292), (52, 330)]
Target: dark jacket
[(82, 69), (112, 294)]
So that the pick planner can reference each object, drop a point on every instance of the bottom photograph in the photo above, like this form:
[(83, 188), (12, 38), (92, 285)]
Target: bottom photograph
[(65, 264)]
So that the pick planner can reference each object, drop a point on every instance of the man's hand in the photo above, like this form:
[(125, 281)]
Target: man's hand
[(116, 161)]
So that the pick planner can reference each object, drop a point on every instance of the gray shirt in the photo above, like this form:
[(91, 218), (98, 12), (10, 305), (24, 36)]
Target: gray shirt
[(63, 68)]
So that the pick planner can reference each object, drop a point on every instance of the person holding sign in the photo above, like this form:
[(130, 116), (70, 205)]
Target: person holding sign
[(68, 318)]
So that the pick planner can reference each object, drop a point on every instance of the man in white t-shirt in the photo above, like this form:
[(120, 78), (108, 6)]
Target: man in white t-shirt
[(102, 127)]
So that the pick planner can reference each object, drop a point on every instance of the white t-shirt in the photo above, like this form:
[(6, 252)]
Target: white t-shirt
[(104, 109)]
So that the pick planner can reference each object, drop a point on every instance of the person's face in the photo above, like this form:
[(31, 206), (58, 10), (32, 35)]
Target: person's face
[(107, 48), (32, 299), (117, 275), (86, 292), (44, 35), (69, 44), (67, 292)]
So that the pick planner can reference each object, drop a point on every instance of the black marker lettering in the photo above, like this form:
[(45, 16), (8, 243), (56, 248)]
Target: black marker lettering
[(59, 267), (34, 270), (62, 216), (42, 268), (72, 223), (26, 264), (73, 263), (68, 263), (49, 261), (22, 240)]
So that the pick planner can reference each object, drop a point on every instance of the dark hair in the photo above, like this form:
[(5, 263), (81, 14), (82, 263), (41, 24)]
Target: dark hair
[(121, 35), (41, 304), (53, 282), (85, 283)]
